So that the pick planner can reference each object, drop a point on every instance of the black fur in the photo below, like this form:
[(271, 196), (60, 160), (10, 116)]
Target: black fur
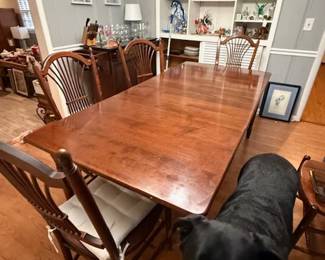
[(255, 222)]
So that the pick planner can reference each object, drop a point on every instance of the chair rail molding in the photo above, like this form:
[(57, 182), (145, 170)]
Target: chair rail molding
[(294, 52), (311, 78), (71, 47)]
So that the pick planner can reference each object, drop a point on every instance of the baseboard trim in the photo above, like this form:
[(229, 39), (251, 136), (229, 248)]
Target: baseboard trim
[(295, 118), (70, 47)]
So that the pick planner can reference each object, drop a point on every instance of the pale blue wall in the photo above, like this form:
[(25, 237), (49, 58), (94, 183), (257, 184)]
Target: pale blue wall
[(66, 21)]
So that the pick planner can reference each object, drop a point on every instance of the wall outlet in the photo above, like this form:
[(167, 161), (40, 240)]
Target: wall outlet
[(309, 22)]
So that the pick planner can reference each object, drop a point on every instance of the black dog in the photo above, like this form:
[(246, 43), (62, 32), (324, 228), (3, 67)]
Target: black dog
[(255, 222)]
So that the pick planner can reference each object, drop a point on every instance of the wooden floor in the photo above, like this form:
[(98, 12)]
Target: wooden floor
[(315, 108), (17, 115), (23, 234)]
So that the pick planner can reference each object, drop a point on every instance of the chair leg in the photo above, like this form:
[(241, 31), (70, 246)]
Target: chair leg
[(66, 252), (308, 217)]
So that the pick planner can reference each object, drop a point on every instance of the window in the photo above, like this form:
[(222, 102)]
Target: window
[(25, 14)]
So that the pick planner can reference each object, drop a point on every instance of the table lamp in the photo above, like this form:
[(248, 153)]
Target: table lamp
[(133, 15), (21, 34)]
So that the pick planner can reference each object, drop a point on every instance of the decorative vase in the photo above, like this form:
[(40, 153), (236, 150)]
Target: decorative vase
[(201, 28)]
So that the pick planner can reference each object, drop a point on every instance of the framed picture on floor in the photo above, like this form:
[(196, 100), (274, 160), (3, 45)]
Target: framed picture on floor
[(279, 101)]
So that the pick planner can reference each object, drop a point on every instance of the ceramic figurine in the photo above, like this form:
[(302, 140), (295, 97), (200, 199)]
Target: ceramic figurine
[(245, 13), (203, 24), (270, 10), (177, 17), (260, 9)]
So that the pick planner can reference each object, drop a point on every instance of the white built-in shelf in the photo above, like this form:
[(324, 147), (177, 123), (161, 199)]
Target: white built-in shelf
[(223, 14), (190, 37), (199, 38), (253, 21)]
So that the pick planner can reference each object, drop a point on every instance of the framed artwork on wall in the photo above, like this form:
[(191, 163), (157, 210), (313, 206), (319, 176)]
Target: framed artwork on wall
[(112, 2), (82, 2), (279, 101)]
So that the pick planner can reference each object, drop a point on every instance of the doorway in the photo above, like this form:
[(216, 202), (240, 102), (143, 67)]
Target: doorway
[(315, 109)]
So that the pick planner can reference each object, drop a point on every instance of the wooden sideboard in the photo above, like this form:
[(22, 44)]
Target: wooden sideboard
[(16, 76), (110, 69)]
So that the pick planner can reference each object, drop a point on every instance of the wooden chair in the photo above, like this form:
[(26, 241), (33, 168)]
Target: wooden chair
[(66, 70), (311, 207), (237, 47), (98, 221), (143, 53)]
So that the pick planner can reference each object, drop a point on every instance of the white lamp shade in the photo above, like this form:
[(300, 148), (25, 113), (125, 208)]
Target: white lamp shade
[(132, 12), (19, 33)]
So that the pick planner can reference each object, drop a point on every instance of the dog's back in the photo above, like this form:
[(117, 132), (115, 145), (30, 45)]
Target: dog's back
[(256, 221)]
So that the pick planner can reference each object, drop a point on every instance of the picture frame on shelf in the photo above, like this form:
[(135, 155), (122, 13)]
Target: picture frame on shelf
[(82, 2), (279, 101), (112, 2)]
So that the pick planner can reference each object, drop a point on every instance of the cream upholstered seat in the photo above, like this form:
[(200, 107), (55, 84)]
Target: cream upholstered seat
[(121, 209)]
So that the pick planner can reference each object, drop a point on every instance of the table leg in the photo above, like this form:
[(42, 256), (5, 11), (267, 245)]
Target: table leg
[(250, 126)]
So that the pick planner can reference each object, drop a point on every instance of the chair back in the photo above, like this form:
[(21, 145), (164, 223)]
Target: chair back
[(142, 53), (66, 70), (237, 47), (33, 180)]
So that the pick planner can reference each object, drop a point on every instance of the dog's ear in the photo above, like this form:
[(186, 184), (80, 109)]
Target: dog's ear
[(185, 225)]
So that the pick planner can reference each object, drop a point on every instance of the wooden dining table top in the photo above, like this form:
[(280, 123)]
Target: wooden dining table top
[(170, 138)]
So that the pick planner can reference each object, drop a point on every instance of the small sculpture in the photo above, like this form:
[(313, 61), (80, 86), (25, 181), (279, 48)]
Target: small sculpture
[(223, 31), (261, 33), (260, 9), (269, 11), (245, 13), (203, 24), (177, 17)]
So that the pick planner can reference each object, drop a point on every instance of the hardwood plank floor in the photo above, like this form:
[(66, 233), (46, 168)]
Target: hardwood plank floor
[(17, 115), (23, 234), (315, 108)]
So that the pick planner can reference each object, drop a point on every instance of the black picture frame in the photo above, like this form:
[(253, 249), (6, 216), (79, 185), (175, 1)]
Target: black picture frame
[(279, 101)]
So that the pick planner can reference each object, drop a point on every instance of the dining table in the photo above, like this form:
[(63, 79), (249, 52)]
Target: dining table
[(170, 138)]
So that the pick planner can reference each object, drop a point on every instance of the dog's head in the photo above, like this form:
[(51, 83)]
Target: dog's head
[(203, 239)]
